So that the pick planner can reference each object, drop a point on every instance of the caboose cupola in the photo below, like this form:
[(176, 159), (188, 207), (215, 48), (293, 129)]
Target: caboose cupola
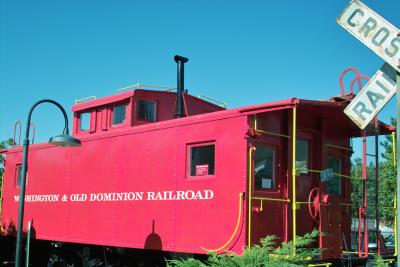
[(136, 107)]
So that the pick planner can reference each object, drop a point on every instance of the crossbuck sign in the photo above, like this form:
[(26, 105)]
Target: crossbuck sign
[(373, 31), (382, 38), (373, 97)]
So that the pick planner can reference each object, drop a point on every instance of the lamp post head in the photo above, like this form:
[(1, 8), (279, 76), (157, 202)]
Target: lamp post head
[(64, 140)]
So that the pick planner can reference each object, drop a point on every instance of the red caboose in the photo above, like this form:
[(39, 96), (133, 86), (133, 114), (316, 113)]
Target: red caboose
[(214, 179)]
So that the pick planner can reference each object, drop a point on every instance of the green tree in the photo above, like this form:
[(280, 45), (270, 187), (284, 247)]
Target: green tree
[(387, 183), (265, 254), (356, 184), (3, 145), (357, 189), (387, 176)]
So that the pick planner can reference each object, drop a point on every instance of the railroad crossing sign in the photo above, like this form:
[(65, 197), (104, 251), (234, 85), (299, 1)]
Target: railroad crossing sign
[(373, 31), (373, 97), (382, 38)]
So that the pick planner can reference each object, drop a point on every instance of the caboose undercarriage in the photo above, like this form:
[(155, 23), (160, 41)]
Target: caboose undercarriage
[(59, 254)]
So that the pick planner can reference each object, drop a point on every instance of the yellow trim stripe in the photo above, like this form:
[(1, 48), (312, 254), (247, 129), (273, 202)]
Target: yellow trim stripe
[(395, 225), (394, 149), (236, 227), (251, 149), (294, 179)]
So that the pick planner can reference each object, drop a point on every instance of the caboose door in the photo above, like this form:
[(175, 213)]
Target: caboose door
[(268, 207), (336, 217)]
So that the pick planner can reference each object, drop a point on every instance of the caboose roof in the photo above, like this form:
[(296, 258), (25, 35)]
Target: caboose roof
[(125, 95), (330, 109), (334, 111), (103, 101)]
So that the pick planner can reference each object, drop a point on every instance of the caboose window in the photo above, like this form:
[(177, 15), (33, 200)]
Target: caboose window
[(18, 175), (84, 121), (334, 185), (146, 110), (302, 156), (202, 160), (118, 114), (264, 168)]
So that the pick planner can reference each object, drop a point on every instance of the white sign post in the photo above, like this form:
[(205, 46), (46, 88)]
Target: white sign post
[(384, 39)]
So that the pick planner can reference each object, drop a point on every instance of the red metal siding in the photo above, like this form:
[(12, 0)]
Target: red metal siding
[(149, 161)]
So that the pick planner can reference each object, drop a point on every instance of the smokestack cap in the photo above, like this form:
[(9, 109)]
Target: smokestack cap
[(180, 58)]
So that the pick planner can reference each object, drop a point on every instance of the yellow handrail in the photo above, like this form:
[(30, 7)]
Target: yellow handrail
[(251, 149), (339, 147), (267, 132), (395, 200), (145, 85), (218, 103), (326, 264), (337, 174), (309, 202), (82, 100), (294, 180), (1, 203), (236, 227), (271, 133), (272, 199), (395, 224), (394, 149)]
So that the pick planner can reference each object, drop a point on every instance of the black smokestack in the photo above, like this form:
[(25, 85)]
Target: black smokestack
[(181, 85)]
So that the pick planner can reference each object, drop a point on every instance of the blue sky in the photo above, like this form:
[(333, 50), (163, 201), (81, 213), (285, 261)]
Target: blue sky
[(241, 52)]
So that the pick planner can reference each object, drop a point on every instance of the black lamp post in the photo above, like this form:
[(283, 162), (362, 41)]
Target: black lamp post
[(60, 140)]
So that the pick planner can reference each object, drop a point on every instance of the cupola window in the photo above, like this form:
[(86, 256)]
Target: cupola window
[(118, 114), (146, 110)]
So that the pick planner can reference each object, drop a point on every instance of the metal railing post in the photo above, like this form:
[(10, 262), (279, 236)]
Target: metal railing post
[(294, 204)]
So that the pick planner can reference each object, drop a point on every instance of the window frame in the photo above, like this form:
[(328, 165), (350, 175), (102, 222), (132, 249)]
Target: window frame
[(18, 169), (92, 121), (308, 139), (276, 162), (111, 114), (342, 170), (188, 160), (137, 110), (80, 121)]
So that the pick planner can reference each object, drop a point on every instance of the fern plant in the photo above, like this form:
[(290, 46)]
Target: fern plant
[(261, 255)]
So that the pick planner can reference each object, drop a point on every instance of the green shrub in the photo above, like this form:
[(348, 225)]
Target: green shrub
[(261, 255)]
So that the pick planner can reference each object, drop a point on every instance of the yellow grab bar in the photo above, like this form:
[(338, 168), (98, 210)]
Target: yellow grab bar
[(267, 132), (1, 203), (236, 227), (272, 199), (326, 264), (271, 133), (395, 224), (337, 174), (294, 180), (394, 149), (251, 149)]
